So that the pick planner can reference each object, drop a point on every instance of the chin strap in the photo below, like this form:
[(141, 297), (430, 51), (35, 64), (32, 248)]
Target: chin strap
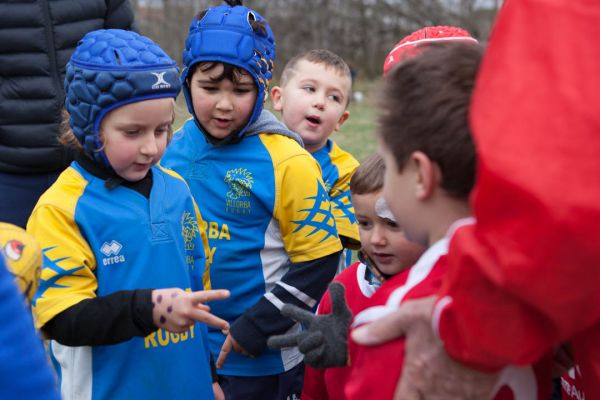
[(372, 267)]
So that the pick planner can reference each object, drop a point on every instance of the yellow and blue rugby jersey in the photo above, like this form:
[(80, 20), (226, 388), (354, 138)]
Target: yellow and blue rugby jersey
[(338, 166), (265, 206), (98, 241)]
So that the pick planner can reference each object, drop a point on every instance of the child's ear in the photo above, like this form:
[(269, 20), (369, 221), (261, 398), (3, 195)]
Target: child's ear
[(428, 175), (342, 119), (276, 98)]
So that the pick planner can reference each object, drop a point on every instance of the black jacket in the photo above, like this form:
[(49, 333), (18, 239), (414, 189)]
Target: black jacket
[(37, 38)]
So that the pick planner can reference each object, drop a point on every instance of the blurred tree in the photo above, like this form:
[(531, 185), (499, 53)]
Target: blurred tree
[(361, 31)]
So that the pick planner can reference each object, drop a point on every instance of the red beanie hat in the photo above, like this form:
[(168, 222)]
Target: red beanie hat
[(430, 34)]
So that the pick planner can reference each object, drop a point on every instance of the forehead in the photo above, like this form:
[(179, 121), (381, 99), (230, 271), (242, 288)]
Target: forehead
[(242, 76), (305, 69)]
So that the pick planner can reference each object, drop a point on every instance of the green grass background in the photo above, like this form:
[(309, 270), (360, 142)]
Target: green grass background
[(356, 135)]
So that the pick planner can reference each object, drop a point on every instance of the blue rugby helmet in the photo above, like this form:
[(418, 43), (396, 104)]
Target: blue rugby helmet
[(224, 34), (111, 68)]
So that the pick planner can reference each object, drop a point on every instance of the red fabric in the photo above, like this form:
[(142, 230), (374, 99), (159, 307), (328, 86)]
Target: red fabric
[(376, 370), (571, 386), (529, 267), (321, 384)]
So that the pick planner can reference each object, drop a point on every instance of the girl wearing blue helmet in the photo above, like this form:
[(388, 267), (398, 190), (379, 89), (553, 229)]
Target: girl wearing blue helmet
[(123, 250)]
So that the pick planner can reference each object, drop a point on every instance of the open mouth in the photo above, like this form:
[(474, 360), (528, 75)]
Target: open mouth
[(313, 119)]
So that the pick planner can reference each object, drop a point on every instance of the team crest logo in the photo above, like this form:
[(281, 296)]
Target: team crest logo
[(239, 182), (318, 217), (160, 83), (189, 229)]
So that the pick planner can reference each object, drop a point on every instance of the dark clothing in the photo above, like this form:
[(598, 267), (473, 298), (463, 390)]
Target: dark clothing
[(37, 38), (19, 193), (284, 386)]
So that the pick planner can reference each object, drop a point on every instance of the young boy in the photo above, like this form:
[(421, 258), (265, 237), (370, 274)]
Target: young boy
[(385, 252), (273, 238), (114, 226), (313, 97), (430, 171)]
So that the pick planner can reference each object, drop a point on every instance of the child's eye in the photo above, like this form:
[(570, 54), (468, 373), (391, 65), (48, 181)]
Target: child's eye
[(242, 90), (364, 224), (161, 131), (132, 132), (391, 224), (335, 98), (308, 89), (209, 89)]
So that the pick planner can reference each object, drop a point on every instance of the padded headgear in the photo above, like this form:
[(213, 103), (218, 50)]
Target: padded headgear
[(413, 43), (111, 68), (224, 34)]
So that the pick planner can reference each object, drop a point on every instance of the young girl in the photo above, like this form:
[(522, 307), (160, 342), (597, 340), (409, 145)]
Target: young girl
[(123, 249)]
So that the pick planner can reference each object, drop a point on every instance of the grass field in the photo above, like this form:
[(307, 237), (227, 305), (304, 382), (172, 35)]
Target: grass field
[(356, 135)]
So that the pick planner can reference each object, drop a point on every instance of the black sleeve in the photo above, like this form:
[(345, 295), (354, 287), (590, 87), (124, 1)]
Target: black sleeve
[(104, 320), (303, 285), (119, 15)]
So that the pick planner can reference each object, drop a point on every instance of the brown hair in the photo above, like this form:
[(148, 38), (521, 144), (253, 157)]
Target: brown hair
[(316, 56), (368, 177), (424, 105)]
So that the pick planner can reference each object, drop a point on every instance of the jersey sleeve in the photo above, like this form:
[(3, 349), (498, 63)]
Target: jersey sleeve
[(68, 263), (302, 207), (527, 267), (343, 210)]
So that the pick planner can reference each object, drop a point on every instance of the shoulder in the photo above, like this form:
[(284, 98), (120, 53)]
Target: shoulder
[(285, 150), (66, 190), (342, 158)]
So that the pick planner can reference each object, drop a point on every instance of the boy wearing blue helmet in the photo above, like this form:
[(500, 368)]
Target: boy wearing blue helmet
[(114, 226), (272, 234)]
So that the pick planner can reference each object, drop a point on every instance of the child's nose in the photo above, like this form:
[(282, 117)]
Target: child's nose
[(319, 101), (150, 146), (225, 103), (377, 236)]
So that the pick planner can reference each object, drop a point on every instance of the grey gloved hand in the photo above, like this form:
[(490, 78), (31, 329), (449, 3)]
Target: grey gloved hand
[(324, 343)]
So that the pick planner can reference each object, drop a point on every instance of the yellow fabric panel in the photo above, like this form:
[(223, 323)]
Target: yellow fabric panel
[(302, 207), (52, 223)]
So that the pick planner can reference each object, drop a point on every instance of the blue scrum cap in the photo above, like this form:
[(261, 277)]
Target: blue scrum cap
[(111, 68), (224, 34)]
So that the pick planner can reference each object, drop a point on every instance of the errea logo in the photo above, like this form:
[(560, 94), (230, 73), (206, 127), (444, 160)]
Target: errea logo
[(111, 251), (160, 81)]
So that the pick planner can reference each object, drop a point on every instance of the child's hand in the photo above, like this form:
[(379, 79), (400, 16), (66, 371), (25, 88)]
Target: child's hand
[(229, 344), (325, 343), (176, 310)]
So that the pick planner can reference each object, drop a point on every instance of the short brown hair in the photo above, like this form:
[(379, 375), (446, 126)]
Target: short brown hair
[(424, 105), (317, 56), (368, 177)]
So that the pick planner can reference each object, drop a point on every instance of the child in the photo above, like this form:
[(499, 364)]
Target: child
[(384, 253), (420, 39), (113, 226), (272, 236), (313, 95), (430, 171)]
